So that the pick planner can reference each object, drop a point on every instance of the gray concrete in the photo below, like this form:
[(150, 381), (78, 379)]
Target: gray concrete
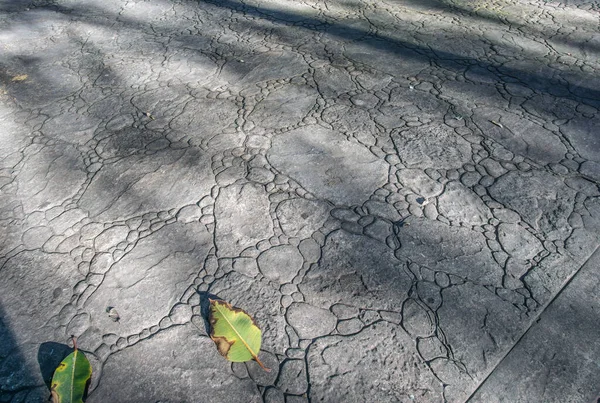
[(405, 195), (557, 359)]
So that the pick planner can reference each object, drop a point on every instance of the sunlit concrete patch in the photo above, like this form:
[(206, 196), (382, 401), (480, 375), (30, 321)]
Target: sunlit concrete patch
[(244, 219), (432, 146), (310, 321), (49, 175), (327, 164), (417, 101), (273, 65), (354, 120), (333, 81), (156, 271), (543, 200), (291, 12), (300, 217), (170, 366), (138, 184), (204, 118), (417, 181), (583, 134), (518, 242), (379, 363), (520, 135), (280, 263), (284, 107), (27, 32), (461, 205), (13, 138)]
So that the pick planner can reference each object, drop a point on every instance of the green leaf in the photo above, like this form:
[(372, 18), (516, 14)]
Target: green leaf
[(235, 333), (71, 377)]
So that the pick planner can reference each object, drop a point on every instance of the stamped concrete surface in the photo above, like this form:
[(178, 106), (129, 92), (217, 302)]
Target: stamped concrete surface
[(557, 360), (404, 194)]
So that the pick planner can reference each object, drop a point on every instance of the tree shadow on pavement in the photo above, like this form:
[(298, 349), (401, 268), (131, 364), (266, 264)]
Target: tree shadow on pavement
[(542, 81)]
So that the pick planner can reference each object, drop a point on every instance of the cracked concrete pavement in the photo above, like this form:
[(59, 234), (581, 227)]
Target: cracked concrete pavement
[(405, 195)]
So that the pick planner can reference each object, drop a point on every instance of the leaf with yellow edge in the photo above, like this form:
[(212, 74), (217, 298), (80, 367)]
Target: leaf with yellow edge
[(235, 333), (71, 377)]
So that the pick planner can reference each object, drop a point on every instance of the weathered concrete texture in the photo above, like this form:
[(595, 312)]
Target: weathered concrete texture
[(542, 199), (328, 165), (243, 218), (395, 191), (461, 205), (136, 185), (557, 359), (520, 135), (432, 146), (153, 273), (357, 271), (300, 218), (49, 176), (479, 326), (166, 368), (386, 369), (284, 107), (451, 249), (280, 263)]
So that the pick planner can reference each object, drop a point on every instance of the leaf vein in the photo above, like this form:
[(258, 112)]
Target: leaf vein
[(254, 355)]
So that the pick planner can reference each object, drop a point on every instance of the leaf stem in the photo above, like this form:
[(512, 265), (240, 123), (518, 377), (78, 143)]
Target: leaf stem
[(261, 364)]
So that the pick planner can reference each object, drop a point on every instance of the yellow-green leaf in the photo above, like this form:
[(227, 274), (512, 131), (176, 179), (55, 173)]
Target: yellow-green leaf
[(235, 333), (71, 377), (20, 77)]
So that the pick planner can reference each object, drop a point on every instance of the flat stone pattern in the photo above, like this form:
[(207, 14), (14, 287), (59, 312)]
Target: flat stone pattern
[(332, 167), (396, 191)]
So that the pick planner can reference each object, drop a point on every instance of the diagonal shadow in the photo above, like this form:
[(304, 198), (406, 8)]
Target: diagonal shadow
[(387, 44), (381, 42), (542, 80)]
